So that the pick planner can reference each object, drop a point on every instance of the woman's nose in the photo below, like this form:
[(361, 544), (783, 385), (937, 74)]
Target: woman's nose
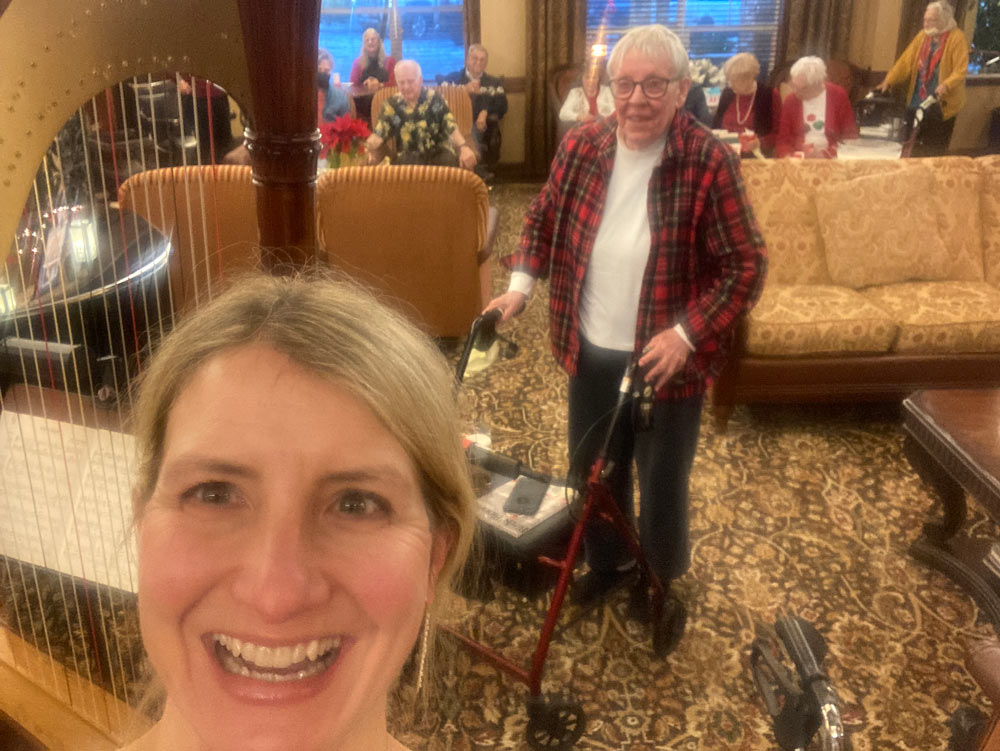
[(278, 576)]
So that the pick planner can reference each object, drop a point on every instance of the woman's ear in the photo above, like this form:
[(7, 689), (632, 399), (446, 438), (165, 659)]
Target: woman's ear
[(440, 547)]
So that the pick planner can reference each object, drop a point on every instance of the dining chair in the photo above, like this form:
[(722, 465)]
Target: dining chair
[(209, 213), (421, 235)]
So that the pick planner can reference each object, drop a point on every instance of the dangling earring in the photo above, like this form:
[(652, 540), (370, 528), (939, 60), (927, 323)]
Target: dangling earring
[(425, 632)]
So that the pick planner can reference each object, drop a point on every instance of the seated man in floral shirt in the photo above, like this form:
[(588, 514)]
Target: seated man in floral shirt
[(420, 125)]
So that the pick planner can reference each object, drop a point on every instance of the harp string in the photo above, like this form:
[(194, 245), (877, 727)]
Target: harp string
[(147, 232), (102, 559), (192, 245), (118, 459), (43, 477), (121, 217), (94, 645), (121, 227), (90, 628)]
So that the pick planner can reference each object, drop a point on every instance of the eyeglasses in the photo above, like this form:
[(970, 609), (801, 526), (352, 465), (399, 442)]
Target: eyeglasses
[(653, 87)]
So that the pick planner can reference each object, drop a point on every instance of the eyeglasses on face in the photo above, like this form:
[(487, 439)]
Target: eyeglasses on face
[(653, 87)]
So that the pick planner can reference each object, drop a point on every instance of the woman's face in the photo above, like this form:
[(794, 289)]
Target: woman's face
[(370, 41), (805, 90), (285, 560), (743, 83)]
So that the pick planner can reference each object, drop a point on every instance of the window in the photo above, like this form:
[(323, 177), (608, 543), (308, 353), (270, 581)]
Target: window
[(985, 55), (431, 32), (711, 29)]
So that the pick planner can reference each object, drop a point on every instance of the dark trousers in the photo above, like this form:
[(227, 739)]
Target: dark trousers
[(663, 455), (934, 134), (488, 143)]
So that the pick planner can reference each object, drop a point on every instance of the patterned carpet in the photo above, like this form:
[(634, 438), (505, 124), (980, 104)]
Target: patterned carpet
[(806, 510)]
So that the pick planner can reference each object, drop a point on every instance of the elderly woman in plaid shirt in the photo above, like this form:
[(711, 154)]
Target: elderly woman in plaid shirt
[(653, 253)]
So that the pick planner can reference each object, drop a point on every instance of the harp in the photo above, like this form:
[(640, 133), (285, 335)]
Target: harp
[(94, 117)]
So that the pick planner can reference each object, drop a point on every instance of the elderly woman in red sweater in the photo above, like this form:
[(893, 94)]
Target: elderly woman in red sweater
[(816, 116), (748, 107)]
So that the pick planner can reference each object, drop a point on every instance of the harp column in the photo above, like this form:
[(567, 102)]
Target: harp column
[(281, 42)]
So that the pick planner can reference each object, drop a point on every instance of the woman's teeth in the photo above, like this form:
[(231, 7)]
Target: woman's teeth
[(286, 663)]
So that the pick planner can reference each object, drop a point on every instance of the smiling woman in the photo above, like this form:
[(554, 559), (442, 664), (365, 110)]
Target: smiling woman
[(302, 499)]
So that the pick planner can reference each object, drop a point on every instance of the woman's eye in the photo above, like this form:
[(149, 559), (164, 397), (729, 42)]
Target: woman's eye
[(210, 493), (360, 504)]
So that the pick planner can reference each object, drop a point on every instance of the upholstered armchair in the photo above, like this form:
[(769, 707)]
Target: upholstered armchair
[(209, 213), (422, 235), (460, 105)]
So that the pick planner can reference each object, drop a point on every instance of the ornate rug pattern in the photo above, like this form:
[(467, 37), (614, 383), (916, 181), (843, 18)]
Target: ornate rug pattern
[(803, 510), (806, 510)]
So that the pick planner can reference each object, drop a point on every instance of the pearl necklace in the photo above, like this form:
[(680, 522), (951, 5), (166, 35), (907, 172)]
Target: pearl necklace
[(741, 120)]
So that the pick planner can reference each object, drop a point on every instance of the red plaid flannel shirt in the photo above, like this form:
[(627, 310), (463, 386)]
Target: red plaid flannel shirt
[(707, 257)]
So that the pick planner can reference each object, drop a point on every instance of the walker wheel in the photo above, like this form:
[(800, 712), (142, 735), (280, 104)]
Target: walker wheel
[(554, 723), (667, 632)]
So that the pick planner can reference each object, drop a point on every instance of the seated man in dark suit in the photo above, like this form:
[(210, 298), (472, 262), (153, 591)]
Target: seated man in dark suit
[(489, 102)]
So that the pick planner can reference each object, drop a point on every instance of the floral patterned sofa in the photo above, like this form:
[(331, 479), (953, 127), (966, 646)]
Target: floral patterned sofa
[(884, 278)]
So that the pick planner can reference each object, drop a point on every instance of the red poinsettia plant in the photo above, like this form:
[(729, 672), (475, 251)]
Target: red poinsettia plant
[(344, 136)]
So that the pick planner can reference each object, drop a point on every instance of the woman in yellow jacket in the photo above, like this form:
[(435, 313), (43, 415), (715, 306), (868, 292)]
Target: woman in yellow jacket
[(934, 63)]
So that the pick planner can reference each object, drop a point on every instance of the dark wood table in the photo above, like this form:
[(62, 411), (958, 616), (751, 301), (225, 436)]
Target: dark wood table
[(952, 439)]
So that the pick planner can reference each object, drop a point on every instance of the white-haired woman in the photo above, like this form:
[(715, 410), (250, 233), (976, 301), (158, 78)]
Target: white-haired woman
[(373, 69), (746, 105), (934, 63), (816, 116)]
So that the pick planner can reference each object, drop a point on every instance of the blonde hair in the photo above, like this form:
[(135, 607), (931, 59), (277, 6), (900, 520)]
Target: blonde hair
[(341, 333), (741, 64), (381, 48)]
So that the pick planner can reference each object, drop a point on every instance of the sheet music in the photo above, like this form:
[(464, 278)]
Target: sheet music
[(65, 498)]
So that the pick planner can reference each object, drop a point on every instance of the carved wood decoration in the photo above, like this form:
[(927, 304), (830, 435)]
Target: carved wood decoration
[(281, 48)]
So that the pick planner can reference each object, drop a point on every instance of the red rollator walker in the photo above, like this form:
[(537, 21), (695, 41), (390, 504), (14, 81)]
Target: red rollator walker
[(557, 722)]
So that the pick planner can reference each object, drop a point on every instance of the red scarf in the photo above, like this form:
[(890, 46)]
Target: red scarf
[(925, 68)]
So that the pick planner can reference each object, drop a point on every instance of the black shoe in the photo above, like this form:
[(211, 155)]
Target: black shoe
[(595, 586)]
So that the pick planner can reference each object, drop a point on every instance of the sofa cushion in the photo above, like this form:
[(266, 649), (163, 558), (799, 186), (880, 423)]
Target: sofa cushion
[(780, 191), (875, 229), (795, 320), (958, 187), (936, 317), (989, 169)]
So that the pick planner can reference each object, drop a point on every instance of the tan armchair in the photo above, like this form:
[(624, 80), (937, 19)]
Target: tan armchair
[(378, 101), (423, 235), (460, 104), (209, 214)]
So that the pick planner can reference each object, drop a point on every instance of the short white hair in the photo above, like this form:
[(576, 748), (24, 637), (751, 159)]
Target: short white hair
[(947, 15), (656, 42), (812, 67), (409, 64)]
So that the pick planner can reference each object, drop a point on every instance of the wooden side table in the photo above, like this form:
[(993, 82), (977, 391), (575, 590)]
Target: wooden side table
[(952, 439)]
